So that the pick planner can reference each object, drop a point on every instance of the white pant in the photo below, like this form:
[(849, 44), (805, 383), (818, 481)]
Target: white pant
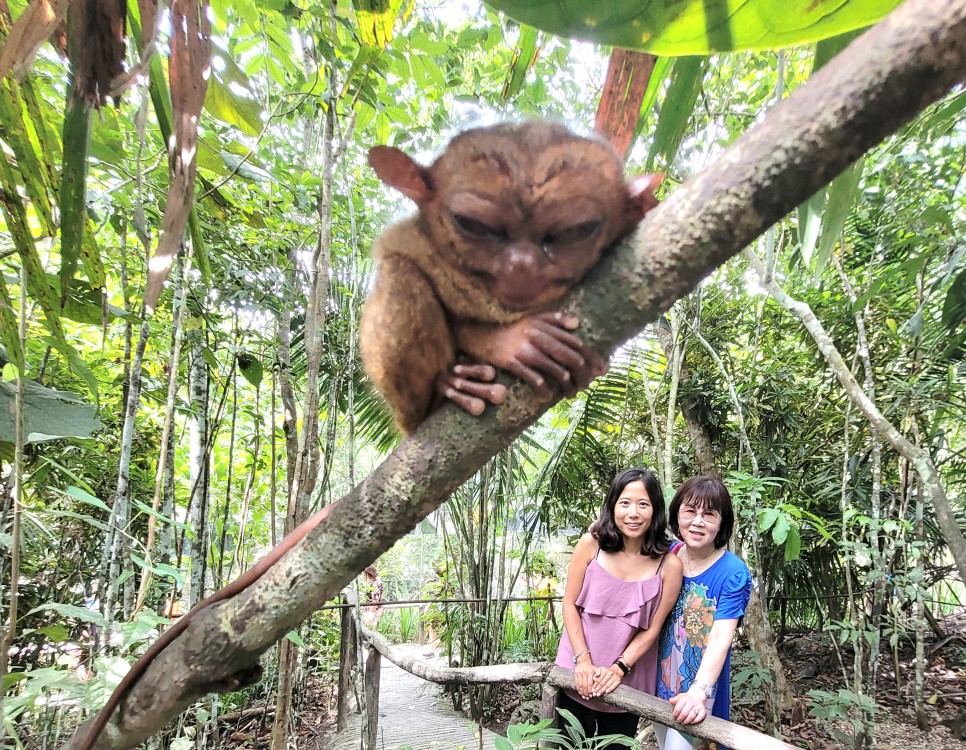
[(670, 739)]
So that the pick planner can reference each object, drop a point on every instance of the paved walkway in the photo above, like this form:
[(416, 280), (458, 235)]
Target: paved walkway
[(413, 713)]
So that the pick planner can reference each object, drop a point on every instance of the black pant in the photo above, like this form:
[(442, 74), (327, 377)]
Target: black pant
[(597, 723)]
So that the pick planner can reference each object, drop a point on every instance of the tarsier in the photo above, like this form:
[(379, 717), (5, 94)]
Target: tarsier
[(510, 218)]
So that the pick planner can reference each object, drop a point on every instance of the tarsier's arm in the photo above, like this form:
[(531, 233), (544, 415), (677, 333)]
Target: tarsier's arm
[(405, 340)]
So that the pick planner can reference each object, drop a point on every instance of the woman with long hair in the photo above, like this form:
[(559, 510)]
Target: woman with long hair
[(621, 584)]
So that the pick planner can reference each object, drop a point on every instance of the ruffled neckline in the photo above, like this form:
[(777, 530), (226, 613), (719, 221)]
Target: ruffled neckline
[(610, 596)]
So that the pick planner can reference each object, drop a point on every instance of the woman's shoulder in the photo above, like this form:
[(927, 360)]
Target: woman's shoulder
[(735, 575), (673, 562), (586, 547)]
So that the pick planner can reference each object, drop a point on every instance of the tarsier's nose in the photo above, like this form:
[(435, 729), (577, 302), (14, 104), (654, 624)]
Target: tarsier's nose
[(524, 257)]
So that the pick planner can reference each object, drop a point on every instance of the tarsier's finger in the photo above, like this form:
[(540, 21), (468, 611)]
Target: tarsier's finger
[(569, 342), (560, 345), (534, 357), (474, 406), (470, 395), (475, 371), (561, 319)]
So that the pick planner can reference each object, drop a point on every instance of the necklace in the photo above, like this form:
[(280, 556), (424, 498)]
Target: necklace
[(687, 562)]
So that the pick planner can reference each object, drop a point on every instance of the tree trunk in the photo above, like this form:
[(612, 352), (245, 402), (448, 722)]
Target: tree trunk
[(120, 549), (675, 363), (698, 432), (198, 468)]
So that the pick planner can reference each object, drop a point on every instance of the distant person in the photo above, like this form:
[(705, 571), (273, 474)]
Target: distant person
[(372, 594), (695, 645), (621, 584)]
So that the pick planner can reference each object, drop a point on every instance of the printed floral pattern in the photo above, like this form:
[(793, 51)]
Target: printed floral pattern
[(721, 591), (698, 615)]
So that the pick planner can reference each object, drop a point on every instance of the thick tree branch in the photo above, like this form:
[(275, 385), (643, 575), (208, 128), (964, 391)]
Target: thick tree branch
[(880, 82)]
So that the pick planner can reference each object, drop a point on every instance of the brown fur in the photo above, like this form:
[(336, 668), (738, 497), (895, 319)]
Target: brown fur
[(510, 218)]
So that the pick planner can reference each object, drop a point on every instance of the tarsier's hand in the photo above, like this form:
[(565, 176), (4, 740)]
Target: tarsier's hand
[(470, 386), (542, 346)]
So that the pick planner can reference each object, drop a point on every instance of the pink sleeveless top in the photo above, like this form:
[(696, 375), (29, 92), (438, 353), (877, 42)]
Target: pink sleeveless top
[(611, 612)]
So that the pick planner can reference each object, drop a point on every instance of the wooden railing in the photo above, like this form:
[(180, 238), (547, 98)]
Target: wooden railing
[(552, 678)]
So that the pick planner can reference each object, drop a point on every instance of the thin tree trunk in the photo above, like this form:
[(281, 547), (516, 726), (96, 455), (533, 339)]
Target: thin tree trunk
[(166, 538), (700, 440), (674, 363), (919, 622), (229, 483), (9, 632), (166, 434), (918, 457), (198, 468), (651, 397), (120, 549), (238, 558)]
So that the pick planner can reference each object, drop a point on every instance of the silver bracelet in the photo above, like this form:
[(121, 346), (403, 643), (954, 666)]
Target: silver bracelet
[(580, 653), (707, 689)]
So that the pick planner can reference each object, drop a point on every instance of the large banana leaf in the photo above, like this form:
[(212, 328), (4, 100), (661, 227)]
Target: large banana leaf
[(696, 27), (48, 414)]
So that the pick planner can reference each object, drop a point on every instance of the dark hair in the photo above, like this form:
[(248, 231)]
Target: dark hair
[(705, 493), (605, 530)]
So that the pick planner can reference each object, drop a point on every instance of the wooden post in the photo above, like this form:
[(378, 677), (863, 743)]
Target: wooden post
[(549, 699), (371, 687), (347, 662), (549, 696)]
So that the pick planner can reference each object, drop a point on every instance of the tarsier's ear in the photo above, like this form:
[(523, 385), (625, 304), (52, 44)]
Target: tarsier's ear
[(397, 169), (640, 195)]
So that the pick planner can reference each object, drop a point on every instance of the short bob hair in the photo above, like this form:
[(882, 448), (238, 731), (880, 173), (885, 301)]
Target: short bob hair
[(705, 493), (605, 530)]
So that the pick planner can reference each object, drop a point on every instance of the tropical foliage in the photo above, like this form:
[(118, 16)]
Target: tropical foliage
[(151, 458)]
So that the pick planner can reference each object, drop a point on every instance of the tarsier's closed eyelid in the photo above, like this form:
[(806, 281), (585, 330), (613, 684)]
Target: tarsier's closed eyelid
[(479, 229), (574, 233)]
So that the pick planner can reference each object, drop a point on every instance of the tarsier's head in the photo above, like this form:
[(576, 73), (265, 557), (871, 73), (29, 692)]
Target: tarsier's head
[(526, 209)]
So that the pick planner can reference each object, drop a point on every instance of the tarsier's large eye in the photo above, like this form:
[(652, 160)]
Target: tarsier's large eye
[(570, 235), (479, 229)]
